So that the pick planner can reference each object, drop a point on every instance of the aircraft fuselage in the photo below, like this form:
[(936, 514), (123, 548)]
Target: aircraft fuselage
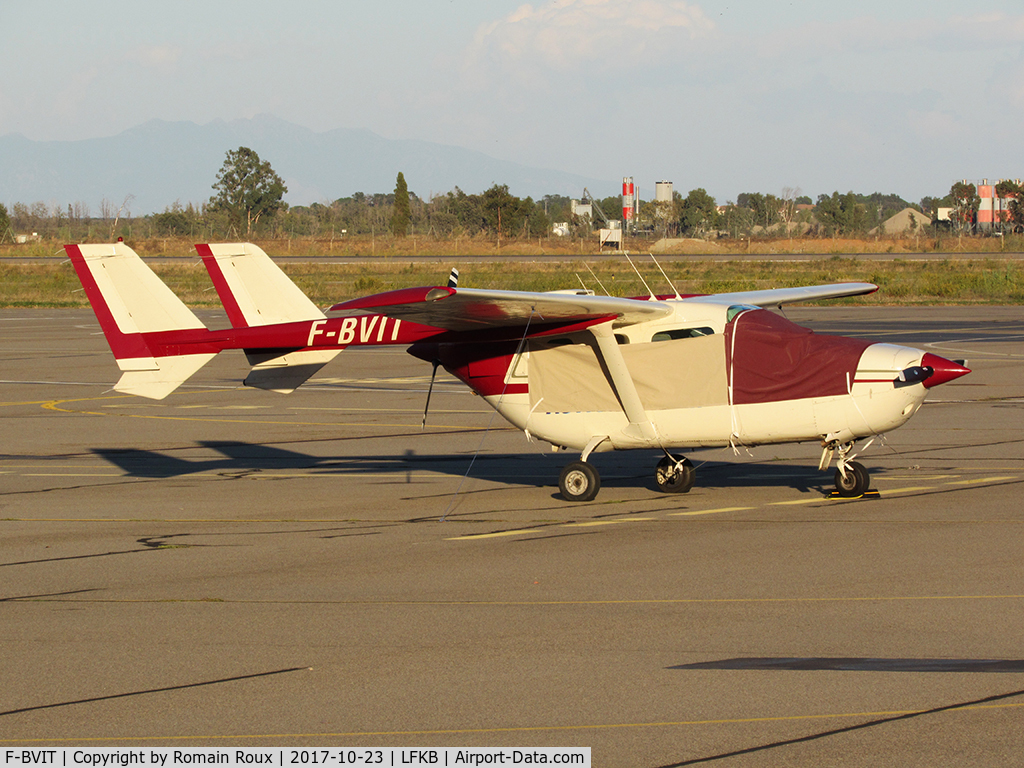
[(710, 375)]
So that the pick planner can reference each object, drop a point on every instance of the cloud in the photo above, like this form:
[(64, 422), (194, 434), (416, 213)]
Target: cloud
[(873, 34), (989, 29), (161, 58), (568, 35)]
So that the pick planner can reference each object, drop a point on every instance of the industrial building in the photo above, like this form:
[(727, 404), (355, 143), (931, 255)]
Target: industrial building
[(610, 231), (993, 210)]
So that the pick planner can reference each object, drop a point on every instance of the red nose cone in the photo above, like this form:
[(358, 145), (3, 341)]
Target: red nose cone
[(945, 370)]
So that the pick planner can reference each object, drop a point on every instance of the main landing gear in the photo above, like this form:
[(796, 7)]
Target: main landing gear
[(852, 478), (675, 475), (580, 481)]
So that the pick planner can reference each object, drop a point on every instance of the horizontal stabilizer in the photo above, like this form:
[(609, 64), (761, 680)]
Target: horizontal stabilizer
[(285, 372), (157, 377), (252, 288)]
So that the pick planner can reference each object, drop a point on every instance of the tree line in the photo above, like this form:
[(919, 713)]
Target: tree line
[(248, 200)]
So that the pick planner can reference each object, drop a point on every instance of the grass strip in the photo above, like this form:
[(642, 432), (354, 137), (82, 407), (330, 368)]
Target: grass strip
[(980, 281)]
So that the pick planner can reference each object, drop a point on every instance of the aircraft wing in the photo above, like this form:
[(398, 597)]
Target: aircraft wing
[(466, 309), (772, 297)]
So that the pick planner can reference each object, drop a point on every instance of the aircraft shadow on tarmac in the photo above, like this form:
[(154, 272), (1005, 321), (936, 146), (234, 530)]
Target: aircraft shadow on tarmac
[(633, 469)]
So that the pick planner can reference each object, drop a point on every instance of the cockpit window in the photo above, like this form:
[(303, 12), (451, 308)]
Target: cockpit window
[(683, 333)]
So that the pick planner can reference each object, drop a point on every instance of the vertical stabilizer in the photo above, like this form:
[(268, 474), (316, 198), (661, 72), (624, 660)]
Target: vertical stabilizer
[(256, 292), (252, 288), (131, 304)]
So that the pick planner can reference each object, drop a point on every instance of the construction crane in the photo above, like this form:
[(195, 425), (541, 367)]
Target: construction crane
[(589, 198)]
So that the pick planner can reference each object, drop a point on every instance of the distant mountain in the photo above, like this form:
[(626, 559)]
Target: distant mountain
[(161, 162)]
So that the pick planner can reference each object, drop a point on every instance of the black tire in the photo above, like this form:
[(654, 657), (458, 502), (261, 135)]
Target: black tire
[(671, 480), (856, 481), (579, 481)]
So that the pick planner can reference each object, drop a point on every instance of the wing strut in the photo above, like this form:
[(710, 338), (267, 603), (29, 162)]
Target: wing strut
[(640, 426)]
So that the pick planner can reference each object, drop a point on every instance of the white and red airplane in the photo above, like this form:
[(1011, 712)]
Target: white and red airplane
[(582, 372)]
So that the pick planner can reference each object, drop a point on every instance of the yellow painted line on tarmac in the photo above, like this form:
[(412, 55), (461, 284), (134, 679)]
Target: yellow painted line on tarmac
[(418, 411), (993, 469), (711, 511), (581, 727), (275, 521), (908, 489), (920, 477), (382, 380), (54, 405), (519, 531), (499, 534), (520, 603), (328, 473), (984, 480), (49, 464), (592, 523), (71, 474), (794, 502), (25, 402)]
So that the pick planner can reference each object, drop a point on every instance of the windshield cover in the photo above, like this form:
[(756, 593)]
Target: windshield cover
[(773, 359)]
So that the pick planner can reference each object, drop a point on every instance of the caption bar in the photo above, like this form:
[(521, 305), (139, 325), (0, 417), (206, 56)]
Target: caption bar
[(164, 757)]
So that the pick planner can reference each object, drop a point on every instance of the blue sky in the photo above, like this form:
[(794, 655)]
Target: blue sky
[(732, 96)]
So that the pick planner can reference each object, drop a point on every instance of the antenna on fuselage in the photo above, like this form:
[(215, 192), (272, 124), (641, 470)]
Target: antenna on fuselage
[(670, 285), (649, 291), (453, 278), (596, 278)]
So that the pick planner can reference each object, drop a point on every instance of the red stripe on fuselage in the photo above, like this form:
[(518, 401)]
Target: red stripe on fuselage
[(331, 333)]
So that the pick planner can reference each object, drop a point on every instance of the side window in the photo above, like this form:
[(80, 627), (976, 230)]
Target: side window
[(520, 367), (682, 333)]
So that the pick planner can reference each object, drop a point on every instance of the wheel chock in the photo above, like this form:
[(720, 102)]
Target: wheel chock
[(871, 494)]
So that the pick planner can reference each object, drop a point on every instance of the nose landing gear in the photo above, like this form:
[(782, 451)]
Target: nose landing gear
[(854, 482), (852, 478)]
